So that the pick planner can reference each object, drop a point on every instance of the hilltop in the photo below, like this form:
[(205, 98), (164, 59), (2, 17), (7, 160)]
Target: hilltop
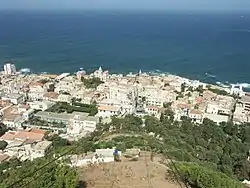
[(127, 174)]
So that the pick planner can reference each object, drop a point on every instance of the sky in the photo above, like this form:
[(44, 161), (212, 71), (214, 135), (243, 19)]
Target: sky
[(229, 5)]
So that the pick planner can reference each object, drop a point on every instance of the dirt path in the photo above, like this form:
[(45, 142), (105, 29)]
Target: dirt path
[(109, 137)]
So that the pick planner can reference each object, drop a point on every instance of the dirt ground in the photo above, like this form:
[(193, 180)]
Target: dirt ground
[(127, 174)]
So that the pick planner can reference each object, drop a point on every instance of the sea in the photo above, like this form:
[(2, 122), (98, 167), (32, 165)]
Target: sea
[(210, 47)]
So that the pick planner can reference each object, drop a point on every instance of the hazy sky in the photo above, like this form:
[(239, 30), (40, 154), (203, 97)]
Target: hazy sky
[(231, 5)]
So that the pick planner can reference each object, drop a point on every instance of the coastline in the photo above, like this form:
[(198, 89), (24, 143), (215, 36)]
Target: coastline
[(211, 79)]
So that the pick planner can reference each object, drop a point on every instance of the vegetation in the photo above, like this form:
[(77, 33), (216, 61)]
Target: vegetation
[(75, 107), (167, 104), (53, 175), (218, 91), (201, 177), (3, 129), (44, 81), (209, 155), (3, 145), (91, 82), (39, 122), (57, 142), (51, 88), (183, 87), (190, 88), (200, 89), (179, 96)]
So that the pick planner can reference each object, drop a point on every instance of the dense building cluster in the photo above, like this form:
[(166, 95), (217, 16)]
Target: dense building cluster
[(73, 104)]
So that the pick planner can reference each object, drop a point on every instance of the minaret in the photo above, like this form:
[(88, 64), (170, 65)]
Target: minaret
[(140, 72), (100, 69)]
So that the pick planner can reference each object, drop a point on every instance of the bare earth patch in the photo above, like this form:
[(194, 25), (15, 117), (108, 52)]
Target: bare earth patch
[(127, 174)]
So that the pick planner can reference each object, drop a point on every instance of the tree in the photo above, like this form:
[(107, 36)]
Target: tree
[(91, 82), (143, 99), (190, 88), (3, 145), (183, 87), (51, 88), (218, 91), (202, 177), (151, 124), (228, 127), (54, 175), (189, 94), (167, 104), (200, 89), (162, 118), (57, 141), (196, 106), (245, 134), (44, 81), (3, 129)]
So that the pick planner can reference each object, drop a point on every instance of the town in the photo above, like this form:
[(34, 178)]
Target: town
[(71, 105)]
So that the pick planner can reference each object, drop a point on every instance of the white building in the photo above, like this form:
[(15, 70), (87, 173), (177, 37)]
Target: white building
[(196, 116), (26, 145), (102, 75), (12, 120), (64, 86), (222, 105), (216, 118), (35, 150), (242, 111), (13, 98), (9, 69), (40, 105), (245, 101), (64, 98), (81, 123), (108, 111), (100, 156), (36, 91), (77, 123), (126, 95), (239, 115), (27, 114), (152, 110), (237, 90), (153, 96)]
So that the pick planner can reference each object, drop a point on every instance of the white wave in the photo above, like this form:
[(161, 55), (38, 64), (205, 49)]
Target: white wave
[(222, 85), (219, 83), (210, 75), (25, 70), (245, 85)]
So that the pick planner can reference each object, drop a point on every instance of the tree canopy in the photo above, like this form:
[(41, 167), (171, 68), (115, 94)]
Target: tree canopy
[(91, 82), (201, 177), (3, 145), (54, 175), (61, 107)]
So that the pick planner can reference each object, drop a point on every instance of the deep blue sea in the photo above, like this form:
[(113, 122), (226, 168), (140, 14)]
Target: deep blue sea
[(210, 47)]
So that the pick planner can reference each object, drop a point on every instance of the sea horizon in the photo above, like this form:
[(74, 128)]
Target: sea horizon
[(210, 47)]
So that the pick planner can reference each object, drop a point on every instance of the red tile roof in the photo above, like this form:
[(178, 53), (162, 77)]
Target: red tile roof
[(198, 112), (51, 95), (35, 135), (109, 108), (39, 131)]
